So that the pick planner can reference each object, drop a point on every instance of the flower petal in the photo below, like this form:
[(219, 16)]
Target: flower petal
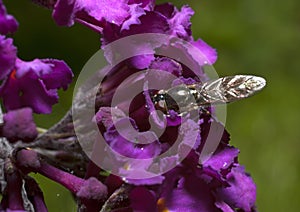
[(179, 21), (8, 23), (141, 145), (60, 76), (8, 55), (192, 194), (242, 191), (208, 53), (33, 85), (112, 11), (222, 159)]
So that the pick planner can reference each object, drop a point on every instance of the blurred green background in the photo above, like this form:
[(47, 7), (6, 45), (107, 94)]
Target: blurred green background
[(252, 37)]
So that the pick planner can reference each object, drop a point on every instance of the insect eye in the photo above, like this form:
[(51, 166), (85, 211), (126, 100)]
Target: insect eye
[(171, 104), (159, 102)]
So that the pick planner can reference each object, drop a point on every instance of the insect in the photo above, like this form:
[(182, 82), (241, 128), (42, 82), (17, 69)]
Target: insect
[(184, 98)]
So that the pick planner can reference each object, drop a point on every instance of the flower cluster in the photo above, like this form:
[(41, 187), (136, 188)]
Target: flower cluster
[(28, 87), (186, 182)]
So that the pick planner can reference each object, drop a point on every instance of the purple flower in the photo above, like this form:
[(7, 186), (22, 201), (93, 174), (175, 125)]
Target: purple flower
[(204, 188), (19, 125), (175, 24), (98, 15), (186, 182), (28, 84), (213, 187), (8, 24), (34, 84), (198, 187), (143, 141), (118, 19)]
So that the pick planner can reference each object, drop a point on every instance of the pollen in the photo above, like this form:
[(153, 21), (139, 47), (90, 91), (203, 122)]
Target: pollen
[(13, 74), (127, 166), (161, 205)]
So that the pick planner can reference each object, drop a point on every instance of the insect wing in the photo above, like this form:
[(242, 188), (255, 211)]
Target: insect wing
[(229, 89)]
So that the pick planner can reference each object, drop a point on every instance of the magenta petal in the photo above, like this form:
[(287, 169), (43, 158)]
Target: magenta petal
[(28, 91), (60, 76), (142, 145), (222, 159), (34, 84), (224, 207), (141, 61), (209, 54), (242, 191), (136, 12), (8, 55), (168, 65), (112, 11), (35, 66), (180, 23), (8, 23), (64, 12), (194, 196), (152, 22)]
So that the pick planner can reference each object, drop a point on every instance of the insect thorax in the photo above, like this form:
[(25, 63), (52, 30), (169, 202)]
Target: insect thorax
[(180, 99)]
